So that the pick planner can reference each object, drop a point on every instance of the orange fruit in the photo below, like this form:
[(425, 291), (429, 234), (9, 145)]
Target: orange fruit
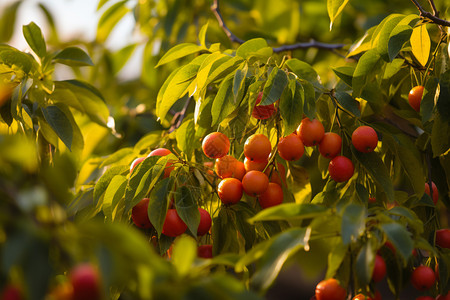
[(163, 152), (255, 183), (263, 112), (365, 139), (341, 169), (239, 171), (230, 190), (291, 147), (435, 191), (254, 165), (257, 147), (216, 145), (415, 97), (330, 146), (272, 196), (277, 175), (310, 132), (225, 166), (330, 289)]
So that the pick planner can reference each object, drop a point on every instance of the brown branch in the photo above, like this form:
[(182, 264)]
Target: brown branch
[(433, 7), (312, 44), (432, 17)]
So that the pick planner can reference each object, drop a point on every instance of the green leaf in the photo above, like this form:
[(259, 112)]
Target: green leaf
[(73, 56), (239, 81), (440, 137), (348, 103), (114, 192), (397, 38), (304, 71), (118, 156), (35, 39), (16, 59), (8, 21), (291, 106), (224, 103), (382, 39), (274, 87), (59, 123), (103, 182), (179, 51), (353, 222), (309, 104), (184, 254), (110, 18), (420, 44), (253, 47), (224, 232), (290, 211), (373, 164), (158, 204), (202, 35), (121, 57), (427, 103), (365, 264), (335, 259), (345, 73), (365, 69), (400, 238), (443, 102), (185, 136), (187, 208), (335, 8)]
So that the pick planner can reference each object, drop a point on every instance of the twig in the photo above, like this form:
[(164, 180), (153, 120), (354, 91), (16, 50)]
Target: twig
[(432, 17), (179, 116), (433, 7), (312, 44)]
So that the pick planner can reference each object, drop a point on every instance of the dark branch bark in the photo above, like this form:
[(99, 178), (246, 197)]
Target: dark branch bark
[(432, 17), (312, 44)]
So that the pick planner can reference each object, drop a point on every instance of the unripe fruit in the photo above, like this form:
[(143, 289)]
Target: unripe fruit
[(216, 145), (415, 97), (310, 132), (139, 214), (423, 278), (330, 289), (257, 147), (435, 197), (443, 238), (204, 251), (255, 183), (272, 196), (86, 283), (341, 169), (263, 112), (205, 222), (230, 190), (173, 225), (291, 147), (330, 146), (379, 270), (365, 139)]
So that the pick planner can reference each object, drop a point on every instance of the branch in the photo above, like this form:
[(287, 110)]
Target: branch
[(432, 17), (312, 44)]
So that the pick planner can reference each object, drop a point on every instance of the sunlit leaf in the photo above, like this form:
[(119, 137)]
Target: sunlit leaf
[(400, 238), (184, 253), (158, 205), (59, 123), (421, 44), (35, 39), (353, 222), (73, 56), (110, 18), (289, 211), (335, 8), (275, 84), (187, 208), (179, 51)]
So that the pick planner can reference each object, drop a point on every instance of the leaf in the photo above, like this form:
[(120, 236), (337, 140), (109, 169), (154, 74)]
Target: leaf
[(114, 192), (420, 44), (365, 264), (304, 71), (353, 222), (427, 103), (223, 104), (397, 38), (224, 233), (110, 18), (348, 103), (440, 137), (239, 81), (179, 51), (253, 47), (35, 39), (335, 8), (73, 56), (275, 84), (382, 38), (158, 204), (185, 136), (184, 254), (400, 238), (365, 69), (59, 123), (443, 102), (187, 208), (16, 59), (335, 259), (121, 57), (8, 21), (118, 156), (288, 211), (291, 106), (202, 35), (345, 73), (105, 179), (309, 104)]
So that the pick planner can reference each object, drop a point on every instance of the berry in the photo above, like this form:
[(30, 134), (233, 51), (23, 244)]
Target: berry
[(204, 251), (205, 222), (225, 166), (139, 214), (135, 163), (341, 169), (272, 196), (86, 282), (173, 225), (443, 238), (239, 171), (423, 278), (291, 147), (263, 112), (163, 152), (11, 292), (330, 146), (330, 289), (216, 145), (230, 190), (255, 183), (310, 132), (415, 97), (257, 147), (379, 269), (251, 165), (365, 139)]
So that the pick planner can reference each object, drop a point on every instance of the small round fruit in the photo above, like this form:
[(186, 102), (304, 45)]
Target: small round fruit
[(225, 166), (255, 183), (239, 171), (372, 200), (139, 214), (390, 246), (415, 97), (216, 145), (230, 190), (379, 269), (310, 132), (173, 225), (443, 297), (272, 196), (11, 292), (204, 251), (341, 168), (330, 146), (263, 112), (251, 165), (163, 152), (423, 278), (330, 289), (291, 147), (425, 298), (365, 139), (257, 147), (85, 282), (443, 238), (205, 222), (135, 163), (277, 175), (435, 191)]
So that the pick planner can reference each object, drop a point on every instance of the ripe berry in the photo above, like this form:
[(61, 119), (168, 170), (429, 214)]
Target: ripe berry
[(11, 292), (291, 147), (330, 146), (330, 289), (379, 270), (239, 171), (425, 298), (86, 282), (277, 175), (365, 139), (415, 97), (272, 196), (230, 190), (139, 214), (216, 145), (257, 147), (163, 152), (341, 169), (443, 238), (135, 163), (443, 297), (225, 166), (435, 191), (310, 132), (173, 225), (423, 278), (251, 165), (205, 222), (255, 183), (263, 112), (204, 251)]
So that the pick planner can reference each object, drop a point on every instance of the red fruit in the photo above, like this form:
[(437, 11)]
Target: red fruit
[(204, 251), (230, 190), (86, 282), (330, 289), (136, 162), (11, 292), (205, 222), (216, 145), (341, 169), (310, 132), (330, 146), (425, 298), (163, 152), (239, 170), (173, 225), (443, 297), (251, 165), (291, 147), (372, 200), (435, 191), (272, 196), (423, 278), (139, 214), (379, 269), (443, 238), (390, 246), (257, 147), (225, 166), (365, 139), (255, 183), (415, 97), (263, 112)]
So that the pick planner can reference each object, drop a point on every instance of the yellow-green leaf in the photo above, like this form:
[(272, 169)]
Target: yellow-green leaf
[(335, 7), (420, 44)]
